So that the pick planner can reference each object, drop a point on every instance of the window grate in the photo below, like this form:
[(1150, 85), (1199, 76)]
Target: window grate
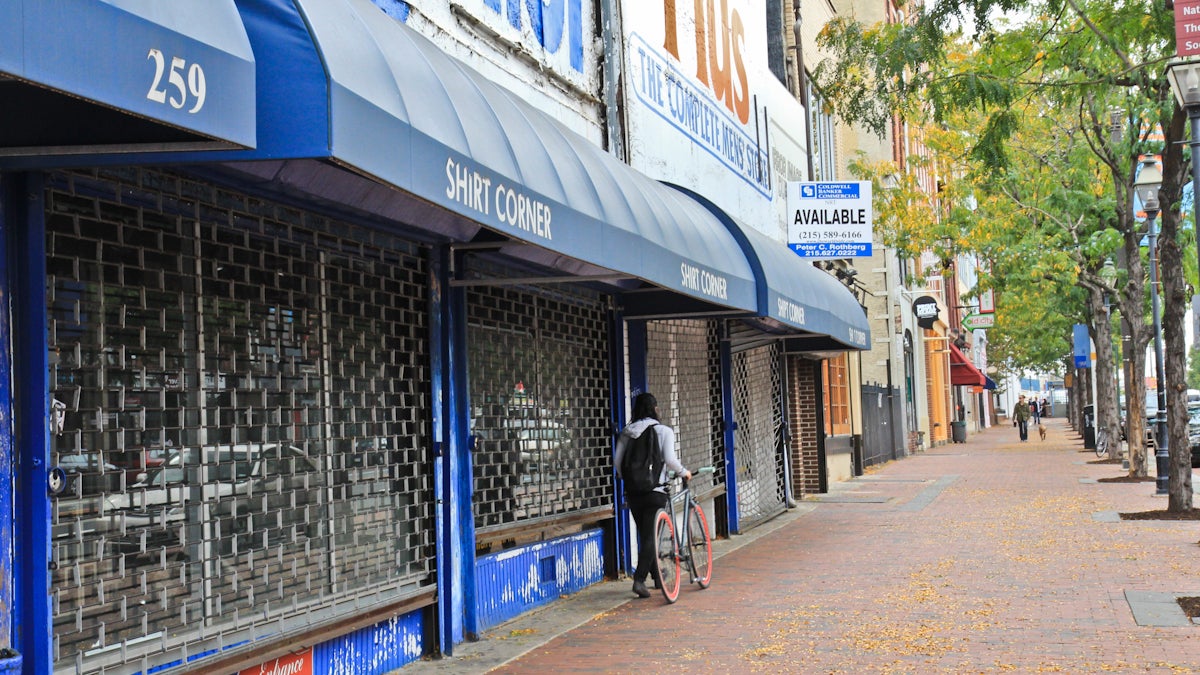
[(540, 407), (758, 439), (683, 364), (247, 418)]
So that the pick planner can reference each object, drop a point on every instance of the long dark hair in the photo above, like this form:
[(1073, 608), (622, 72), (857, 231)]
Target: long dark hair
[(644, 406)]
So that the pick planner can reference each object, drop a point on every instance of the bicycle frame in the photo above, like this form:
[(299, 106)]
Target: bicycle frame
[(679, 549)]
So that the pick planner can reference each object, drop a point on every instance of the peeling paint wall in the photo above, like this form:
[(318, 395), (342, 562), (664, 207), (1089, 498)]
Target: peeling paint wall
[(380, 648), (512, 582)]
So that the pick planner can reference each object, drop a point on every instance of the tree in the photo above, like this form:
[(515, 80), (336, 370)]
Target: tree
[(1096, 63)]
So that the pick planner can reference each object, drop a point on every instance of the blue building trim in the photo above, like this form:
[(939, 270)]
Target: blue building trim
[(620, 405), (26, 262), (446, 378), (730, 426), (8, 655), (461, 446), (638, 382), (377, 649), (515, 581)]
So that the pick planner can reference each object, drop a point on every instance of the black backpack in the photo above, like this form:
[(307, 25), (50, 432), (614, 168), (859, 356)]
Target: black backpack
[(642, 463)]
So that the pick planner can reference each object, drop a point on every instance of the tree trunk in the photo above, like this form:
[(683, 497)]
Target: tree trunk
[(1107, 415), (1133, 346), (1175, 299)]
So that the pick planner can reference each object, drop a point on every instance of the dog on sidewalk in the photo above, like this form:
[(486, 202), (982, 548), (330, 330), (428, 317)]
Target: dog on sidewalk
[(1042, 430)]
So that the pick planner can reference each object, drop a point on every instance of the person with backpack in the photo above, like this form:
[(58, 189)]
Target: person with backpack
[(645, 452)]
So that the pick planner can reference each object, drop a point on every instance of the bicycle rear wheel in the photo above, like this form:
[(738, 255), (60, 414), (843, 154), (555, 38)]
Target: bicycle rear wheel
[(700, 543), (666, 548)]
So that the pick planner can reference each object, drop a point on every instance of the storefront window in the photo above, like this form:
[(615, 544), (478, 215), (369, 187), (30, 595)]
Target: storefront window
[(837, 395)]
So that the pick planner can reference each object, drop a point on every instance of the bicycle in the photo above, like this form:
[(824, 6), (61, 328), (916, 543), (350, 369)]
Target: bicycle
[(1101, 442), (690, 549)]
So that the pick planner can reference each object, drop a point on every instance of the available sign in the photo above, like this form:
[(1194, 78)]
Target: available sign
[(1187, 27), (830, 220), (978, 321)]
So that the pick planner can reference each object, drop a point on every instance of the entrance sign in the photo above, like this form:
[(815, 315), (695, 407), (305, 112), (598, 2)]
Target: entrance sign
[(830, 220), (1187, 27)]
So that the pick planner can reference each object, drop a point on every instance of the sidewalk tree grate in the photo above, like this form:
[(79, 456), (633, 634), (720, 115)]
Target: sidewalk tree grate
[(1158, 609)]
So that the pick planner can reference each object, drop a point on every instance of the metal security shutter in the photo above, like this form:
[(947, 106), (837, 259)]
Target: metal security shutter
[(758, 439), (683, 371), (247, 434), (540, 411)]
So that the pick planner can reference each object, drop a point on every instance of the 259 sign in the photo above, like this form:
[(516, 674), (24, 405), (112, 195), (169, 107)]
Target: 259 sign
[(170, 86)]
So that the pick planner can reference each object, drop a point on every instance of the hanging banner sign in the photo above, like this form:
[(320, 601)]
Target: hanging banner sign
[(925, 308), (1083, 346), (978, 321), (830, 220)]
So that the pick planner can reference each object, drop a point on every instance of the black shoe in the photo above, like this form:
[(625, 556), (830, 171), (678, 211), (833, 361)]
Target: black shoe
[(639, 588)]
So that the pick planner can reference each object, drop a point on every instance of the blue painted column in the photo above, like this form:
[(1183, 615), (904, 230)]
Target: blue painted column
[(619, 403), (730, 425), (26, 263), (638, 382), (462, 481), (9, 221), (452, 473)]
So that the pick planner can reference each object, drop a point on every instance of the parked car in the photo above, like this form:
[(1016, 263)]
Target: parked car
[(249, 483), (137, 461), (87, 475), (1194, 434)]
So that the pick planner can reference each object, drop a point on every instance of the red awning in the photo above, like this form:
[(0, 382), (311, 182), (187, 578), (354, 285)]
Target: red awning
[(962, 372)]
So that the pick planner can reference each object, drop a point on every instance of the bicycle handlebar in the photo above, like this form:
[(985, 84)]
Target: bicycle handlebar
[(697, 472)]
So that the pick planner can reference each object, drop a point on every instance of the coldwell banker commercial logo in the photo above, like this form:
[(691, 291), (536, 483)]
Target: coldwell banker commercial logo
[(830, 220)]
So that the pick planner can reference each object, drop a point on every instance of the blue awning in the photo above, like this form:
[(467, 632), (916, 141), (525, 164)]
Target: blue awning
[(794, 295), (358, 112), (405, 113), (107, 76), (990, 383)]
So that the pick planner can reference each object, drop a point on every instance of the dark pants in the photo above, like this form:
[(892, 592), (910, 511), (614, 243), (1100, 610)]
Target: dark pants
[(644, 508), (1023, 427)]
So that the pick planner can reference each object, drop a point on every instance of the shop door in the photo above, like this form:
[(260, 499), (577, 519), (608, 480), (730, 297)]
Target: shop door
[(683, 371), (759, 437)]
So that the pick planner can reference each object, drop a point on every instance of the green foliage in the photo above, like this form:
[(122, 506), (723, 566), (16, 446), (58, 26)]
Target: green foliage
[(1039, 115), (1193, 373)]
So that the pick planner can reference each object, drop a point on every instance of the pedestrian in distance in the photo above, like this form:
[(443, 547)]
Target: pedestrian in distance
[(645, 503), (1021, 415), (1035, 410)]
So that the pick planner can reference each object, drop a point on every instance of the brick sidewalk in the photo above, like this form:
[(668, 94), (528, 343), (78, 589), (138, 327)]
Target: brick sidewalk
[(992, 556)]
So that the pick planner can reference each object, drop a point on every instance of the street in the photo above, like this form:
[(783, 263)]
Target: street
[(992, 556)]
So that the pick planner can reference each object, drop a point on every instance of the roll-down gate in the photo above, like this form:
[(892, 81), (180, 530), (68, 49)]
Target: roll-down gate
[(540, 408), (759, 436), (245, 397), (683, 371)]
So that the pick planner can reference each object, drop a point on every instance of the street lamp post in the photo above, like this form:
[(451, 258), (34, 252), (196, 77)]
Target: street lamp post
[(1184, 77), (1149, 180)]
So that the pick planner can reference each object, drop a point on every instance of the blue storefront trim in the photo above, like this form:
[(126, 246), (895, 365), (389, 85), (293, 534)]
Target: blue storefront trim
[(730, 426), (26, 262), (373, 650), (517, 580)]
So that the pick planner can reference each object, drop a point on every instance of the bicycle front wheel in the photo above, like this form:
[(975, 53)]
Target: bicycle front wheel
[(700, 544), (1101, 443), (666, 548)]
